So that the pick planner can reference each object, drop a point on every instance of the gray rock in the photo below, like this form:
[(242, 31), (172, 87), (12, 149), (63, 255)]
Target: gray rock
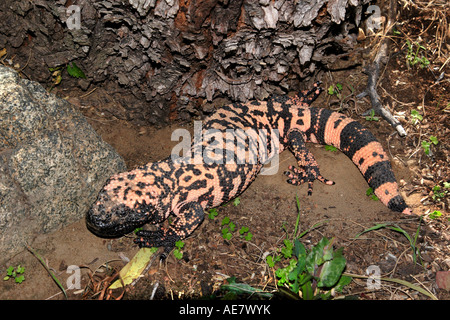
[(52, 162)]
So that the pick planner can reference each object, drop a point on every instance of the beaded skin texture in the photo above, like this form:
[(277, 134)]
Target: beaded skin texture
[(153, 192)]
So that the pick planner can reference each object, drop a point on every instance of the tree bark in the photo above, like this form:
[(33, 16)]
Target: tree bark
[(163, 60)]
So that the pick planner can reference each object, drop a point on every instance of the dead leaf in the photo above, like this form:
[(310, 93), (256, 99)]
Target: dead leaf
[(443, 280), (134, 268)]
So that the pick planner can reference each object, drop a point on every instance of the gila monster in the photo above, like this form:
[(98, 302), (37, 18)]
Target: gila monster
[(151, 193)]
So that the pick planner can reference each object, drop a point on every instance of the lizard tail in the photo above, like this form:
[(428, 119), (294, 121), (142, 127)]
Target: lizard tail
[(361, 146)]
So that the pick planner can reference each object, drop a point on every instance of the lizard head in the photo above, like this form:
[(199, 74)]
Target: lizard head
[(127, 201)]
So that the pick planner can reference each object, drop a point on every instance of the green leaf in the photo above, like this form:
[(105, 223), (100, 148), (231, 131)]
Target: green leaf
[(328, 252), (375, 227), (236, 201), (434, 140), (299, 250), (415, 114), (343, 281), (331, 90), (293, 274), (426, 147), (20, 269), (270, 262), (330, 148), (298, 272), (287, 250), (19, 279), (315, 256), (10, 271), (332, 270), (249, 236), (435, 214), (243, 288), (369, 193), (226, 233), (225, 220), (243, 230), (74, 71), (307, 291), (179, 244), (178, 254), (212, 213)]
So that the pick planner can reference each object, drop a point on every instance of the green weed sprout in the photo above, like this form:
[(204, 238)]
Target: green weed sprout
[(177, 252), (15, 273)]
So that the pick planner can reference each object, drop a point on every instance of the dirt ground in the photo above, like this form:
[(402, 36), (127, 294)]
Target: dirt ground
[(268, 207)]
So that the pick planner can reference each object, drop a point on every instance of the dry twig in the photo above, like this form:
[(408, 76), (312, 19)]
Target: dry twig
[(373, 73)]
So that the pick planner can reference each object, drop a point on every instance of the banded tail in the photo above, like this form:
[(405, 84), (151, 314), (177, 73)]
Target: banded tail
[(361, 146)]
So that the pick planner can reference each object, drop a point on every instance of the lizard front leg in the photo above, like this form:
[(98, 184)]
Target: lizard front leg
[(309, 169), (189, 217)]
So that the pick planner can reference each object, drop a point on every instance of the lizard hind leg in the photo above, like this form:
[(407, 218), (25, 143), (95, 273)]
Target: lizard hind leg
[(309, 169)]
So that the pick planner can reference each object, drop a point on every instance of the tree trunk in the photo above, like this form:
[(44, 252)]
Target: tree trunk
[(162, 60)]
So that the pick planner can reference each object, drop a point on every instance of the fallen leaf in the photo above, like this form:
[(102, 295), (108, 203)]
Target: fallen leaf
[(443, 280), (2, 53), (133, 269)]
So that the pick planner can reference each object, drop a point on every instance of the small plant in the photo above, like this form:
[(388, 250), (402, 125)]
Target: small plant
[(331, 148), (435, 214), (416, 116), (371, 116), (440, 192), (336, 90), (413, 57), (228, 228), (427, 144), (74, 71), (312, 274), (15, 273), (212, 213), (245, 233), (369, 193), (177, 252), (236, 201)]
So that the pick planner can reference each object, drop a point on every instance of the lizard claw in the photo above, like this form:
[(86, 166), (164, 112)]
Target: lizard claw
[(150, 239), (308, 174)]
